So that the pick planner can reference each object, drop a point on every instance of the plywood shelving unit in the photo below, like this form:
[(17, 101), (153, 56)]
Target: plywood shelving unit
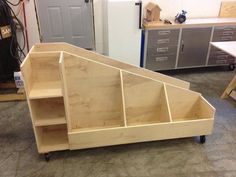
[(44, 92), (79, 99)]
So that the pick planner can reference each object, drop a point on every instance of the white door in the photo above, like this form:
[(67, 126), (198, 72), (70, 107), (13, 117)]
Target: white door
[(67, 21), (124, 35)]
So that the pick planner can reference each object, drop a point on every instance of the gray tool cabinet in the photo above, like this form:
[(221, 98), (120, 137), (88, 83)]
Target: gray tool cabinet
[(188, 45)]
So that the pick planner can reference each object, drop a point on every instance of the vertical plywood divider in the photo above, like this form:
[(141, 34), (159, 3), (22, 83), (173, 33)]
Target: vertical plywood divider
[(145, 100), (123, 98), (64, 90), (167, 103)]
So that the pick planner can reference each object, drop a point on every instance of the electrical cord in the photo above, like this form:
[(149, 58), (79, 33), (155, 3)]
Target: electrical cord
[(15, 24)]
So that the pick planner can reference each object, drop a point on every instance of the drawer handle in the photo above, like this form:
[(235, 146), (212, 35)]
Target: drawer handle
[(226, 38), (228, 28), (164, 32), (228, 33), (221, 61), (162, 50), (160, 59), (222, 57), (220, 52), (163, 41)]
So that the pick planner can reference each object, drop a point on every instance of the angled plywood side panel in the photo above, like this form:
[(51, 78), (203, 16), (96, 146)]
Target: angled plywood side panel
[(108, 61), (94, 98), (145, 100), (187, 105)]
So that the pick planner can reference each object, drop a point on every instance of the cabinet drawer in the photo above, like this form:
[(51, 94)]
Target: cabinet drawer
[(159, 37), (217, 37), (159, 51), (227, 33), (217, 58), (161, 62), (221, 60), (225, 28)]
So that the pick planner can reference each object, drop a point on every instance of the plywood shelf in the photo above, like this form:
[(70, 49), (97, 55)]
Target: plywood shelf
[(52, 138), (48, 111), (48, 89), (52, 121)]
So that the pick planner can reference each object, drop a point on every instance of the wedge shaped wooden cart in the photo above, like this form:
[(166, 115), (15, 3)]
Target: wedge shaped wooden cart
[(79, 99)]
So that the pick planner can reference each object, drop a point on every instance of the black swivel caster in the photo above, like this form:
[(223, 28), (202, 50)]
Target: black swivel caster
[(202, 139), (231, 67), (47, 157)]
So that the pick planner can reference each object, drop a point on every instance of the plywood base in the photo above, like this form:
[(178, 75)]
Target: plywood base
[(134, 134)]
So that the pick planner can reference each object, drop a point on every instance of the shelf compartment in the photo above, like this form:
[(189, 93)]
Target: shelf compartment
[(52, 138), (48, 111), (49, 89), (93, 94), (186, 105), (42, 76), (144, 106)]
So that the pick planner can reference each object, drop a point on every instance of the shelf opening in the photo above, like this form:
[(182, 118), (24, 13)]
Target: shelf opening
[(52, 138), (48, 111), (93, 94), (43, 77), (187, 105), (145, 100)]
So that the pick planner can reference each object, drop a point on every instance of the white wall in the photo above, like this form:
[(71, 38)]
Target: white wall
[(194, 8), (32, 27)]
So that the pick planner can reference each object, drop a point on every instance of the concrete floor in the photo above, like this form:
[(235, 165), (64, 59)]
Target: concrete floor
[(171, 158)]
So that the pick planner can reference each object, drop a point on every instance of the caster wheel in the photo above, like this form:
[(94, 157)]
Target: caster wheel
[(47, 157), (202, 139), (231, 67)]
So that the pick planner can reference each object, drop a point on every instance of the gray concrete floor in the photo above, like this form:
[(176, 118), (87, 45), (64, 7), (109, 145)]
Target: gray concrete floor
[(177, 158)]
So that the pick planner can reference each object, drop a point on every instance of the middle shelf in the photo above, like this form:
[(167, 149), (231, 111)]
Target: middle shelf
[(48, 111), (49, 89)]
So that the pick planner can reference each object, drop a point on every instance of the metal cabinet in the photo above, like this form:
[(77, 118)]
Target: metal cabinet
[(218, 57), (194, 47), (161, 49)]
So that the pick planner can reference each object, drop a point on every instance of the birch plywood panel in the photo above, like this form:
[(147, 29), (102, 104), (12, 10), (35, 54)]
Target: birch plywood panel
[(228, 9), (188, 105), (144, 106), (108, 61), (94, 94)]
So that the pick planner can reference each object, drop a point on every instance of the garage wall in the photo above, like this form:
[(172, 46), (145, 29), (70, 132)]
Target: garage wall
[(32, 27), (195, 8)]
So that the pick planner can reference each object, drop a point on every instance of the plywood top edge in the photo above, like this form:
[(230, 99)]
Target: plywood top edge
[(187, 90), (139, 75), (87, 59), (185, 83), (130, 67), (195, 22)]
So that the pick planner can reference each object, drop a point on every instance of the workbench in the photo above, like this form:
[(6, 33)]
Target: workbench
[(230, 48), (187, 45)]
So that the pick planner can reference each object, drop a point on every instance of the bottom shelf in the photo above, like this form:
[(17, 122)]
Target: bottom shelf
[(52, 138)]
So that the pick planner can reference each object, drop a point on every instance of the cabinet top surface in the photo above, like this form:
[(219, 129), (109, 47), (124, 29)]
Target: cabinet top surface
[(228, 47), (198, 22)]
